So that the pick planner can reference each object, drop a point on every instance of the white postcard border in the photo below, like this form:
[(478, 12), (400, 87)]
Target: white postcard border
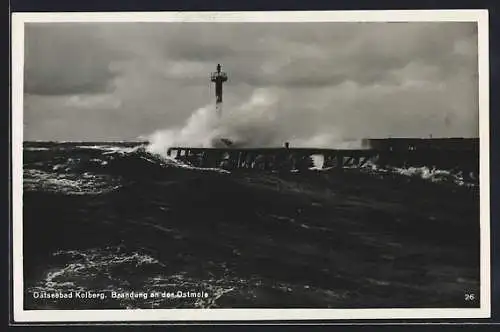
[(21, 315)]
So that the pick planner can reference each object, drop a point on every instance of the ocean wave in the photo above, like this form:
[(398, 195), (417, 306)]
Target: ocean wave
[(82, 270), (69, 184), (133, 162), (114, 270), (430, 174)]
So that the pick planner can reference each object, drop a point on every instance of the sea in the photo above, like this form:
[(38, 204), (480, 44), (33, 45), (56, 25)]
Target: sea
[(109, 225)]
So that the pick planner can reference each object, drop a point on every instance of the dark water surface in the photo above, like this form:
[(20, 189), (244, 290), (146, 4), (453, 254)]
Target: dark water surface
[(113, 218)]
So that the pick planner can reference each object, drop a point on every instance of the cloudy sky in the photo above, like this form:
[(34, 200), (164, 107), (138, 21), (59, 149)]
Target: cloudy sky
[(121, 81)]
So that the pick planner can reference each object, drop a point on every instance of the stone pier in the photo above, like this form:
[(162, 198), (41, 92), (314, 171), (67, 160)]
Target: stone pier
[(270, 158)]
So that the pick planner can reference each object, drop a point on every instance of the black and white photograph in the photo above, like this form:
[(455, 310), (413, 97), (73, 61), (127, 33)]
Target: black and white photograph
[(250, 166)]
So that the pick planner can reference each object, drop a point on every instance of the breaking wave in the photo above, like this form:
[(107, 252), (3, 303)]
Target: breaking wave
[(94, 169), (430, 174), (258, 122), (114, 270), (70, 184)]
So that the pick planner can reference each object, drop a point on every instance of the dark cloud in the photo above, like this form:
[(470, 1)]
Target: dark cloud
[(358, 79), (63, 59)]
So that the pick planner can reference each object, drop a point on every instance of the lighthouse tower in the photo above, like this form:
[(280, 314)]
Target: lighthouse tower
[(218, 77)]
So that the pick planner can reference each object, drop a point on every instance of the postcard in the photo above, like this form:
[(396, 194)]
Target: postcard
[(250, 166)]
